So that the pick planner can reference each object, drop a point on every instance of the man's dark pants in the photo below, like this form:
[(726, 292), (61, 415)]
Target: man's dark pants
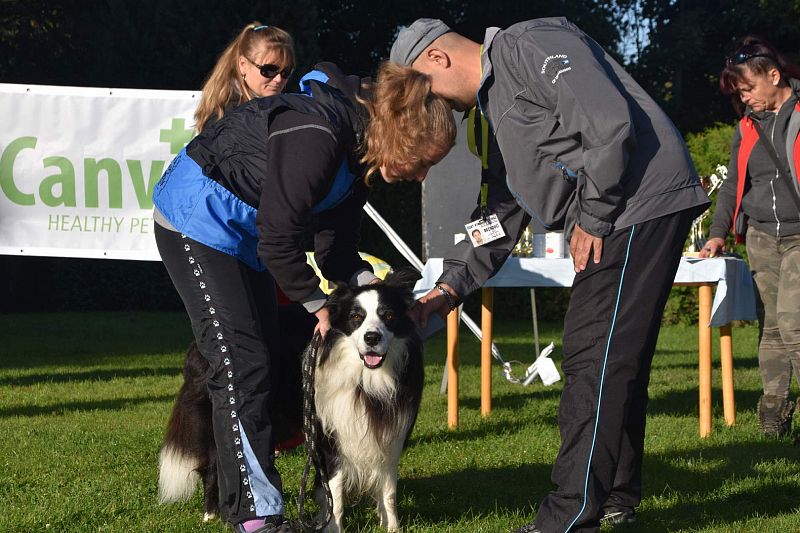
[(610, 334)]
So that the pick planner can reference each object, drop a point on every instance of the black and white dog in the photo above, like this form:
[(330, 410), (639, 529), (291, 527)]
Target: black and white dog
[(368, 386), (368, 382)]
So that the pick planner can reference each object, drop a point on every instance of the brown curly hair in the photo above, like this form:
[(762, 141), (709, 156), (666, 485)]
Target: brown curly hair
[(409, 125)]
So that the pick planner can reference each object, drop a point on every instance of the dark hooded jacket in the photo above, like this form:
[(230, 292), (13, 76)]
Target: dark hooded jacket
[(253, 183), (767, 203)]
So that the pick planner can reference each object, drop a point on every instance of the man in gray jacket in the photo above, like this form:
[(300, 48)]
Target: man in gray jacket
[(567, 137)]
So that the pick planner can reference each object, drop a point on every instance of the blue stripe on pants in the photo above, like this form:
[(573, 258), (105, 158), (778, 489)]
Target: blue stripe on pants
[(602, 379)]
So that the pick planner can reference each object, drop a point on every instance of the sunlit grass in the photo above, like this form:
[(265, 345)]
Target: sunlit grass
[(84, 399)]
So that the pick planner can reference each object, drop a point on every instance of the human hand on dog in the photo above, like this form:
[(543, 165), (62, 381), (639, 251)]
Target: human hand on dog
[(433, 302), (713, 247), (583, 245), (323, 322)]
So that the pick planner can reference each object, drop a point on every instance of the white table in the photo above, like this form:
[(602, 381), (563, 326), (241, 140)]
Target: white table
[(734, 299)]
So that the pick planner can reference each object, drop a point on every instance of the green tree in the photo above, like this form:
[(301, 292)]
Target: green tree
[(688, 43), (357, 34)]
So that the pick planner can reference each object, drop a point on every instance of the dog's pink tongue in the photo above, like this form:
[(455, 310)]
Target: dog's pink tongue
[(372, 359)]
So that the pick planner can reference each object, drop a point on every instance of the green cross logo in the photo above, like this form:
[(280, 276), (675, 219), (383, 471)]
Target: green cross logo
[(177, 136)]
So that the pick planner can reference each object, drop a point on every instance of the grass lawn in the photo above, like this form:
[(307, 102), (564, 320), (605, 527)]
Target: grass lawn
[(84, 399)]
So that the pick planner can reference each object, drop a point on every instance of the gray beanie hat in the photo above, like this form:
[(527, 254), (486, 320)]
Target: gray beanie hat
[(412, 40)]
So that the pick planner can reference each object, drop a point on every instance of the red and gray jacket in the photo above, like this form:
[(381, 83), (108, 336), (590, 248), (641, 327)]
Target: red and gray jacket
[(752, 194)]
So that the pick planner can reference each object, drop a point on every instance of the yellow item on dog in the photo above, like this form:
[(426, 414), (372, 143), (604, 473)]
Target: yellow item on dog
[(380, 267)]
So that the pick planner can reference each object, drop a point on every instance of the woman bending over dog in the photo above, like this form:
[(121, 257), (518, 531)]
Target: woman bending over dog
[(232, 211)]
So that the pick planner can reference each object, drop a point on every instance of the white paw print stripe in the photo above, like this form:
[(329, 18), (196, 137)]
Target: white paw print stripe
[(197, 271)]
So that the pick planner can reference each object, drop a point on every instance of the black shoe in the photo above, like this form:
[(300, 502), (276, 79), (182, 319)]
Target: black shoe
[(618, 515), (527, 528), (272, 524), (775, 415)]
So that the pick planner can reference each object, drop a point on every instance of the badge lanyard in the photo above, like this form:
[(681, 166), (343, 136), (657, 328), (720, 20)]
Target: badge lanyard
[(478, 136), (487, 228)]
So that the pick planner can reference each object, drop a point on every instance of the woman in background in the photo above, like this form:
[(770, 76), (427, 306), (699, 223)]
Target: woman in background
[(760, 199), (257, 63)]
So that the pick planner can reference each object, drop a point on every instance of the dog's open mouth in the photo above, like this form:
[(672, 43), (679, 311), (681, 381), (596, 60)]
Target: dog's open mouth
[(372, 359)]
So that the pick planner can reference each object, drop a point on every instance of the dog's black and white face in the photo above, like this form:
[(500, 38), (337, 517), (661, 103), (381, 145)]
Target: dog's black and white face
[(371, 318), (371, 324)]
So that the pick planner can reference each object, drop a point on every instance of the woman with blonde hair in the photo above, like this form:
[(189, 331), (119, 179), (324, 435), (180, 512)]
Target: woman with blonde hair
[(257, 63)]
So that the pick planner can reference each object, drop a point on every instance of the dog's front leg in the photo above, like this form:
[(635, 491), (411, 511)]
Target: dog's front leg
[(336, 484), (387, 502)]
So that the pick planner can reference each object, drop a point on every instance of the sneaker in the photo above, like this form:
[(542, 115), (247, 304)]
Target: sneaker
[(618, 515), (528, 528), (272, 524)]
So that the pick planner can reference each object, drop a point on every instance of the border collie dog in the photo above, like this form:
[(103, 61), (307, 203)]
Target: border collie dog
[(368, 385), (368, 382)]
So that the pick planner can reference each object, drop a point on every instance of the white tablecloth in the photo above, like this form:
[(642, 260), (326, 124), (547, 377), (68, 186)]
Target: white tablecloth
[(734, 298)]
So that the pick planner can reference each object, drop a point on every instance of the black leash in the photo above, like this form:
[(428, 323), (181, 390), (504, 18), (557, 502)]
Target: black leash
[(312, 440)]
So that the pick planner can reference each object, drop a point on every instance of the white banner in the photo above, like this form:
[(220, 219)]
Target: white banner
[(78, 167)]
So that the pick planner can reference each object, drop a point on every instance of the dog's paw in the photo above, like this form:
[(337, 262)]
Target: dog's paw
[(208, 517), (389, 523)]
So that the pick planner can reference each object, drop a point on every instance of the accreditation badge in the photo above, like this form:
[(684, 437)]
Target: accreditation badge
[(484, 230)]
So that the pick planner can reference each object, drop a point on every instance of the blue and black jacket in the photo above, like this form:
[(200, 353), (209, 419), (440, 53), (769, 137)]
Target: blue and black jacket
[(253, 183)]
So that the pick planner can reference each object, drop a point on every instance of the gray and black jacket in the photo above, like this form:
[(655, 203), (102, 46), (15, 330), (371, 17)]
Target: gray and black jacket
[(581, 142), (765, 201)]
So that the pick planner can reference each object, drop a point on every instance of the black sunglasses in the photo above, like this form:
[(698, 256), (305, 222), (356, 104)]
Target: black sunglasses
[(741, 57), (270, 71)]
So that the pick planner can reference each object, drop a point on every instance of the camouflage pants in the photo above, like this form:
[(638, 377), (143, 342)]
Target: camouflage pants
[(775, 263)]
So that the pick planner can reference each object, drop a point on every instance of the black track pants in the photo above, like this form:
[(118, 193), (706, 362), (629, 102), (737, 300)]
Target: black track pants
[(233, 312), (610, 334)]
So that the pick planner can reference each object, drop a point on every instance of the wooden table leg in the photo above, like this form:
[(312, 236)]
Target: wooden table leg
[(452, 369), (726, 360), (704, 365), (486, 350)]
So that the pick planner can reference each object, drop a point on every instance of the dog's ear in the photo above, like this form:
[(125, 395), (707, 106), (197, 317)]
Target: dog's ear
[(404, 277), (337, 297)]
